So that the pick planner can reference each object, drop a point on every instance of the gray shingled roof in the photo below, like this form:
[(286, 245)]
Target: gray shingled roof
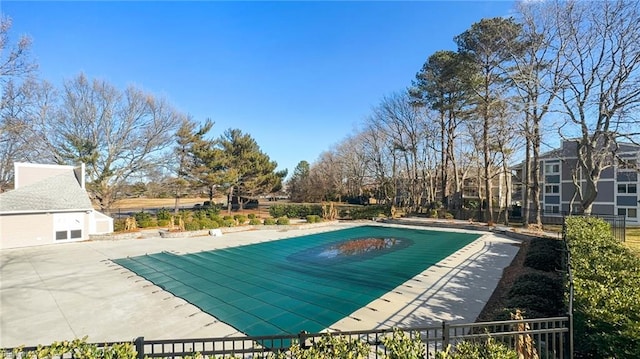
[(56, 193)]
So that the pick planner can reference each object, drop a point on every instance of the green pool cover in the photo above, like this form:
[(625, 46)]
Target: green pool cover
[(302, 283)]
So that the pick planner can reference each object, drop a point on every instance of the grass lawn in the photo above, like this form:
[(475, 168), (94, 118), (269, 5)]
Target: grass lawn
[(633, 240)]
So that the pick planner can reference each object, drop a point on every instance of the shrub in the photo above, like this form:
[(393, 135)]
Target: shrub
[(489, 349), (367, 212), (252, 216), (544, 254), (118, 225), (164, 222), (269, 221), (208, 223), (76, 348), (294, 210), (255, 221), (240, 218), (607, 287), (163, 215), (314, 218), (433, 213), (447, 215), (228, 222), (144, 219), (536, 284), (200, 214), (192, 226), (282, 221), (401, 345)]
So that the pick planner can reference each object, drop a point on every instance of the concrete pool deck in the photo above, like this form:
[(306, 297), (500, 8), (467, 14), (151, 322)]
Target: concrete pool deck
[(65, 291)]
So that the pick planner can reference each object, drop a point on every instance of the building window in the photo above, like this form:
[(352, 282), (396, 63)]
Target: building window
[(77, 233), (627, 188), (551, 188), (552, 168), (628, 212), (628, 164), (551, 209), (61, 235)]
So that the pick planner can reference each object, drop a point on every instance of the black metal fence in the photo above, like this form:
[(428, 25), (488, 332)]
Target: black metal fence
[(551, 338)]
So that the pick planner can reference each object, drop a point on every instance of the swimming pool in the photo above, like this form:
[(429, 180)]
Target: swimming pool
[(300, 283)]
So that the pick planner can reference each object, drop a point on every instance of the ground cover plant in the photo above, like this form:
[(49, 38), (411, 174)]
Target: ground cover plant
[(607, 288)]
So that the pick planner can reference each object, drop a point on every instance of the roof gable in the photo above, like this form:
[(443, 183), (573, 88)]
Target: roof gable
[(61, 192)]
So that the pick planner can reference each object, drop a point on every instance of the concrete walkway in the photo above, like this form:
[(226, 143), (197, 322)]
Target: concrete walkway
[(65, 291)]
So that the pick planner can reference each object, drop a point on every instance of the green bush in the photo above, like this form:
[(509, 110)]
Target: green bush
[(200, 214), (533, 303), (367, 212), (208, 223), (255, 221), (607, 287), (77, 348), (144, 219), (401, 345), (314, 218), (269, 221), (251, 216), (489, 349), (164, 222), (433, 213), (118, 224), (228, 222), (538, 284), (544, 254), (240, 218), (192, 225), (294, 210), (163, 215), (282, 221), (447, 215)]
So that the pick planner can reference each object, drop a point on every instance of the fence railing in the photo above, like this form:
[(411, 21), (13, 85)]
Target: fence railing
[(551, 337)]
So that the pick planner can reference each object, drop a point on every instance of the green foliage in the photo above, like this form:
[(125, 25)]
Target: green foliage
[(489, 349), (118, 224), (200, 214), (368, 212), (164, 222), (251, 216), (546, 287), (333, 347), (255, 221), (228, 222), (447, 215), (401, 345), (144, 219), (269, 221), (163, 214), (294, 210), (433, 213), (192, 225), (544, 254), (78, 348), (207, 223), (314, 218), (240, 218), (282, 221), (607, 288)]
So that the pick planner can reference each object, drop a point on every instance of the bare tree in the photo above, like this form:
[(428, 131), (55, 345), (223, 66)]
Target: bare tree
[(535, 76), (15, 101), (599, 45), (115, 133)]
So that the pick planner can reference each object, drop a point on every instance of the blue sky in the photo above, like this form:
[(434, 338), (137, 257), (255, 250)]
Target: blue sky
[(297, 76)]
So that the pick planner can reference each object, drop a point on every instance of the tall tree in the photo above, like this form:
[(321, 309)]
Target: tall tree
[(535, 78), (443, 85), (489, 44), (16, 100), (599, 46), (298, 184), (199, 162), (250, 171), (115, 133)]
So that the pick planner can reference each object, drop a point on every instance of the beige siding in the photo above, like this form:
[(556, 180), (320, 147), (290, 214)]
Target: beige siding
[(25, 230), (26, 175)]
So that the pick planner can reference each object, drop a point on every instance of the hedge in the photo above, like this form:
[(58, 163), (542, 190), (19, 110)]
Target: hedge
[(607, 291)]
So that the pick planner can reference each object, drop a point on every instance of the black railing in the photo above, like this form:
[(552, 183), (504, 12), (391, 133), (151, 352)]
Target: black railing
[(551, 338)]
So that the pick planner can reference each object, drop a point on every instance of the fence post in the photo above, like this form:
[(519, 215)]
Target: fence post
[(139, 343), (302, 339), (445, 335)]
